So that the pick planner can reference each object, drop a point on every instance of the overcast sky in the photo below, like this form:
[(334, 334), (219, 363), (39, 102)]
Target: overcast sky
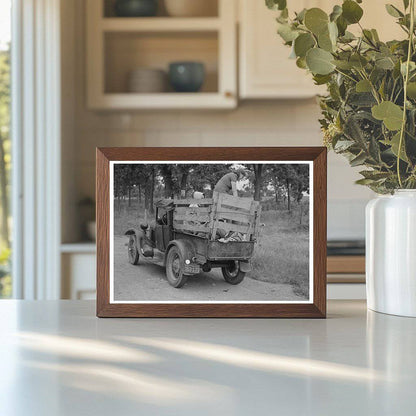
[(4, 22)]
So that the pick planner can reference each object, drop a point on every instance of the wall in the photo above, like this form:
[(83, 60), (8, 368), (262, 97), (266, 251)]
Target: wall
[(265, 123)]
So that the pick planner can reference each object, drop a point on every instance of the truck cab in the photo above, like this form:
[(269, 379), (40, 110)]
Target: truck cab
[(163, 232)]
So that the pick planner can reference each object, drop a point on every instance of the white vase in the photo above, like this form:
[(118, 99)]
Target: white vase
[(391, 253)]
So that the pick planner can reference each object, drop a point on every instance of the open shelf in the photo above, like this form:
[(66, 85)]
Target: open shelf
[(127, 51), (160, 24), (108, 9), (116, 46), (194, 101)]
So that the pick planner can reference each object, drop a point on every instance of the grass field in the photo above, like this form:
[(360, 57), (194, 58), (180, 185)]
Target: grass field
[(281, 254)]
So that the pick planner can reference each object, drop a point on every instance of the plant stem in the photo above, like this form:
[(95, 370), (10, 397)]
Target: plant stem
[(373, 89), (406, 80), (345, 75)]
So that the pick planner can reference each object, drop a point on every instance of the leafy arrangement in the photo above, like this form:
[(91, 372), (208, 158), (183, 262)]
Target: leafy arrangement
[(369, 113)]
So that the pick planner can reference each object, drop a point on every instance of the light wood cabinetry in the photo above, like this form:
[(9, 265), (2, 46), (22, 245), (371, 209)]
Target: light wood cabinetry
[(117, 45), (265, 70)]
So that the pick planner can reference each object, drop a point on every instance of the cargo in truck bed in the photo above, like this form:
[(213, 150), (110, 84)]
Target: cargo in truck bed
[(218, 217)]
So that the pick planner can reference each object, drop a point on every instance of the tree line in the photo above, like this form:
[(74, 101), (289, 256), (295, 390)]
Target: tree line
[(146, 182), (5, 160)]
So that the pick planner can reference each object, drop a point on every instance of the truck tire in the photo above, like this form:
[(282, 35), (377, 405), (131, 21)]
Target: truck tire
[(174, 269), (132, 250), (232, 273)]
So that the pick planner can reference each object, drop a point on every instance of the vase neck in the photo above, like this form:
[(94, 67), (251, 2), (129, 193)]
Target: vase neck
[(405, 192)]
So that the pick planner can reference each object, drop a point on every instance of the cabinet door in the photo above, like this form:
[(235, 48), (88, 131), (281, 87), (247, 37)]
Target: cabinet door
[(265, 68)]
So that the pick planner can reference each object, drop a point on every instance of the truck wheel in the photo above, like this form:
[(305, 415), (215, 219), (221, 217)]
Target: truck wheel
[(132, 250), (232, 273), (174, 269)]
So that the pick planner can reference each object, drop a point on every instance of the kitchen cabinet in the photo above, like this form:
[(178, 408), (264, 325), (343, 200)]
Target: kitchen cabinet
[(78, 264), (265, 70), (116, 46)]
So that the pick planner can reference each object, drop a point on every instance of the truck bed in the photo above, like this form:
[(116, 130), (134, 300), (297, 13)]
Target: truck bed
[(209, 218), (214, 250)]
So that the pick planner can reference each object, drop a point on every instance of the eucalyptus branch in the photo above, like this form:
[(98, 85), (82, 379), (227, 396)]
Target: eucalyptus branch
[(398, 95), (373, 89), (346, 75), (379, 121), (406, 80), (392, 90)]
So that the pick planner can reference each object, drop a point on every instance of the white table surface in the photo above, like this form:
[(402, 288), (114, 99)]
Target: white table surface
[(56, 358)]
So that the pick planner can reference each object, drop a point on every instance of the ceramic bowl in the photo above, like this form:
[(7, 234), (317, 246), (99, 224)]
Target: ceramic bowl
[(186, 76), (147, 80), (135, 8)]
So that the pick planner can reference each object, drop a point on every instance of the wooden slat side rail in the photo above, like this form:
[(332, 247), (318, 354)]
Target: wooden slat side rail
[(224, 212), (214, 218), (236, 202), (192, 217), (187, 210), (236, 217), (192, 201), (195, 228)]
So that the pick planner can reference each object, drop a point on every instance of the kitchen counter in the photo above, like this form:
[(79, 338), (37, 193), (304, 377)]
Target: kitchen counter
[(58, 359)]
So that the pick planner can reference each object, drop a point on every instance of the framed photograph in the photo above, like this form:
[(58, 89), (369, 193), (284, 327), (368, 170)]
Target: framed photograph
[(211, 232)]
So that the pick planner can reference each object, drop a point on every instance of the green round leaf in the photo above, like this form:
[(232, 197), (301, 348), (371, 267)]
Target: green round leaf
[(319, 61), (358, 61), (301, 63), (411, 90), (351, 11), (324, 42), (385, 63), (363, 86), (316, 20), (303, 43), (286, 32), (327, 40), (394, 144), (393, 11), (391, 114), (276, 4), (321, 79), (342, 25), (342, 64), (336, 12)]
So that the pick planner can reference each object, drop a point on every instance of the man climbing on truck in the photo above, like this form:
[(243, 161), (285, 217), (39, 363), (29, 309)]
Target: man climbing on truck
[(228, 183)]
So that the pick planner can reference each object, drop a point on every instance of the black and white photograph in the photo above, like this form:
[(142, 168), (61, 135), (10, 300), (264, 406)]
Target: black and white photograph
[(192, 232)]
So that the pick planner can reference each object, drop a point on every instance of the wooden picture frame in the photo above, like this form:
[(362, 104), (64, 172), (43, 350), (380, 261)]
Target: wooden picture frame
[(314, 308)]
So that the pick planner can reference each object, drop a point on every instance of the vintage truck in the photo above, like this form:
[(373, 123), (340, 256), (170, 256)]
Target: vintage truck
[(194, 235)]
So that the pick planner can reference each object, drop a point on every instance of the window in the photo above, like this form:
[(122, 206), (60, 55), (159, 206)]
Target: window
[(5, 145)]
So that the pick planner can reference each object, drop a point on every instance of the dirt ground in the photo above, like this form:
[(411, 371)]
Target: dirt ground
[(148, 282)]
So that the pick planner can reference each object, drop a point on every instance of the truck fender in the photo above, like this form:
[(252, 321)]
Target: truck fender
[(245, 266), (143, 243), (186, 248), (132, 231)]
